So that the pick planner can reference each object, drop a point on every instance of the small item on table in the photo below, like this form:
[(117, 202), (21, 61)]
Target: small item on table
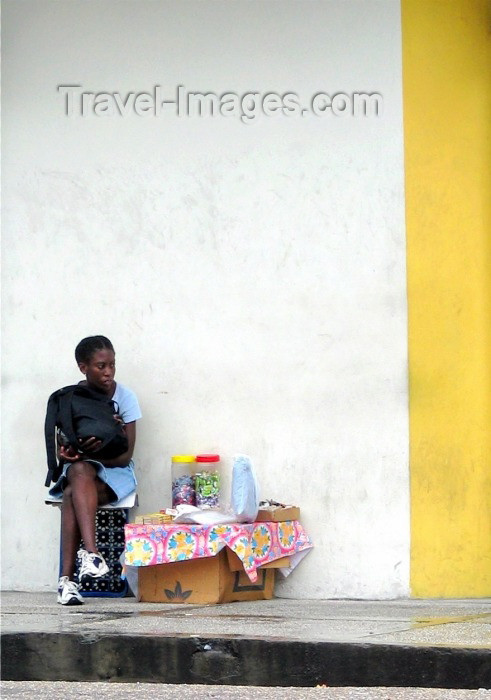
[(272, 511), (153, 519), (207, 481)]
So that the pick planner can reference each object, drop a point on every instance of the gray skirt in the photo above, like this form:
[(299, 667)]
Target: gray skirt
[(121, 480)]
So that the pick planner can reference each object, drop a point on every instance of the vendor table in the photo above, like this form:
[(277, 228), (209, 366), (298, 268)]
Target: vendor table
[(255, 544)]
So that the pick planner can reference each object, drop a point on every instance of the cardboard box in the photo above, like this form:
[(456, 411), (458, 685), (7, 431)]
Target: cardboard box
[(275, 514), (206, 580)]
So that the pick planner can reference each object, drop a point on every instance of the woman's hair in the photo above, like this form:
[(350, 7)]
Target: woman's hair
[(88, 346)]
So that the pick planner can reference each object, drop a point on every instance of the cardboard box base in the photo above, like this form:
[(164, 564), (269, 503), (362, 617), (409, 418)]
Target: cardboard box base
[(207, 580)]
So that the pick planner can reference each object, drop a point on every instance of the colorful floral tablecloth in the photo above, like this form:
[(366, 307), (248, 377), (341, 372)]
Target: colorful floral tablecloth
[(255, 544)]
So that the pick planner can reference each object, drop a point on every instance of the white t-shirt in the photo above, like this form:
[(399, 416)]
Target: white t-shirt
[(127, 403)]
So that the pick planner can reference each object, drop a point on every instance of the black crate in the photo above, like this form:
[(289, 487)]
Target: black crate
[(109, 527)]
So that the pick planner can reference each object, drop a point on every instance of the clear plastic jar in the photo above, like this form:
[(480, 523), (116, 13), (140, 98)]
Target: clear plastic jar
[(183, 491), (207, 481)]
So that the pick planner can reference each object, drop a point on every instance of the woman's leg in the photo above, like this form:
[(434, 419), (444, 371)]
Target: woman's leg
[(70, 538), (82, 480), (81, 497)]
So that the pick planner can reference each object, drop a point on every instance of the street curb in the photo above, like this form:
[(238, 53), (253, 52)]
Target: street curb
[(238, 661)]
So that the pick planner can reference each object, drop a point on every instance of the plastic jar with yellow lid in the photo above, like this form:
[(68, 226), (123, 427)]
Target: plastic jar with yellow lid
[(183, 490)]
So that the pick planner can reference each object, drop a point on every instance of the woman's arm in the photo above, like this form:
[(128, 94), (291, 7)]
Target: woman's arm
[(124, 459)]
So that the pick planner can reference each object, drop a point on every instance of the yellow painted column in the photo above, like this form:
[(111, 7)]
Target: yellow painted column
[(447, 118)]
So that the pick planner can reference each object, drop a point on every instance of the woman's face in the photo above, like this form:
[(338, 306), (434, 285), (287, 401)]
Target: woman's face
[(100, 370)]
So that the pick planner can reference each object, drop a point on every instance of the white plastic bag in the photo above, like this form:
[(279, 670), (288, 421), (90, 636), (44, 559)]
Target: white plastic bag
[(245, 490), (130, 574), (193, 515)]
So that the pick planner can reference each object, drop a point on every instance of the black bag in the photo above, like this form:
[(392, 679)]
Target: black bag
[(80, 412)]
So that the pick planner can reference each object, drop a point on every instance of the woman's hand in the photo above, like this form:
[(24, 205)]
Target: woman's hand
[(119, 420), (90, 444), (68, 454)]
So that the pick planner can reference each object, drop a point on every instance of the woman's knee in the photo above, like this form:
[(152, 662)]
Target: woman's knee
[(81, 470)]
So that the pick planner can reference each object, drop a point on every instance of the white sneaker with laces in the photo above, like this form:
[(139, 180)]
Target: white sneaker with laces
[(68, 593), (92, 564)]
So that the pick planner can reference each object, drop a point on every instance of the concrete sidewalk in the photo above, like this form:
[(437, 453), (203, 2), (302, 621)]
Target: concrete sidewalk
[(426, 643)]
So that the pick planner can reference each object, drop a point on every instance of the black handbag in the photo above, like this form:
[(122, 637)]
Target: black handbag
[(79, 413)]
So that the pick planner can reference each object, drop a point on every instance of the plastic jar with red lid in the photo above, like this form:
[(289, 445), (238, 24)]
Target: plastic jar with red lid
[(207, 481)]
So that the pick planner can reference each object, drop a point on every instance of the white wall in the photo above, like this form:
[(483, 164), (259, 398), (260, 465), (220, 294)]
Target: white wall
[(251, 276)]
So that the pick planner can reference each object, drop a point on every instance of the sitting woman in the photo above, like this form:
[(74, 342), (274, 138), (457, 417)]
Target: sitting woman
[(86, 483)]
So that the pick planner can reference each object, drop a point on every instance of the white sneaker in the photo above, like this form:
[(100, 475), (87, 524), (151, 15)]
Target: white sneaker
[(68, 593), (92, 565)]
